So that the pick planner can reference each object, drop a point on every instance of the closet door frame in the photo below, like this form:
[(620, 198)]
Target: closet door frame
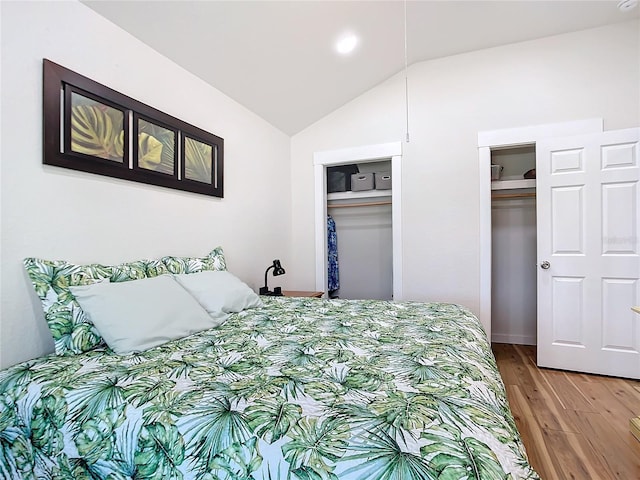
[(367, 153), (510, 137)]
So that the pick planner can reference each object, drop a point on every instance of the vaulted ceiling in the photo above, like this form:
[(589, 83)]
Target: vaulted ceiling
[(277, 58)]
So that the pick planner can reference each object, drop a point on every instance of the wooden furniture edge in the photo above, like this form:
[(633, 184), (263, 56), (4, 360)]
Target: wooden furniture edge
[(634, 426), (302, 293)]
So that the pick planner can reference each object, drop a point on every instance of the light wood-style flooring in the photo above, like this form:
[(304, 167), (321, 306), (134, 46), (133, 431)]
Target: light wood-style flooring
[(574, 426)]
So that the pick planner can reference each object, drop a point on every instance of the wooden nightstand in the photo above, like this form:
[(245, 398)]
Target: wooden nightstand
[(301, 293)]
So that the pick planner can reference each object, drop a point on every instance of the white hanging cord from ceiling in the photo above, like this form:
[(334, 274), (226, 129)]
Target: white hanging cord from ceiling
[(406, 77)]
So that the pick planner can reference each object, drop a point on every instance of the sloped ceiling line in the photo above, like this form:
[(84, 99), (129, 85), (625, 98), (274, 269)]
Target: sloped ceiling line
[(277, 59)]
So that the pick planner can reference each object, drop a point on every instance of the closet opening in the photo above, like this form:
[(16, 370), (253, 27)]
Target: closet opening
[(361, 255), (501, 144), (513, 245), (367, 222)]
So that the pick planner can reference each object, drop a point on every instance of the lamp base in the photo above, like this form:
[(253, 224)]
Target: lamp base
[(277, 292)]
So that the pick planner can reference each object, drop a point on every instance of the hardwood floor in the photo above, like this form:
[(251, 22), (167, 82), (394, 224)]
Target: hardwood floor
[(574, 426)]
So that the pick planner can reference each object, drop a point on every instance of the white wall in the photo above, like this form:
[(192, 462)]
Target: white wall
[(55, 213), (588, 74)]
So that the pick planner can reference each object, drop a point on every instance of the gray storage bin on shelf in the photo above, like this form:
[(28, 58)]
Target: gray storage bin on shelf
[(339, 178), (336, 182), (361, 181), (383, 180)]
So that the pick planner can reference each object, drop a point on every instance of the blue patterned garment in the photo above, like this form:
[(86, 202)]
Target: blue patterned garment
[(332, 243)]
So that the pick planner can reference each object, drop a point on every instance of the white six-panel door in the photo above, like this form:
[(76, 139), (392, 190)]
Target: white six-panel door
[(588, 217)]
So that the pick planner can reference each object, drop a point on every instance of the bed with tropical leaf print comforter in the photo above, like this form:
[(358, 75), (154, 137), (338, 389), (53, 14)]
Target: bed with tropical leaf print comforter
[(298, 389)]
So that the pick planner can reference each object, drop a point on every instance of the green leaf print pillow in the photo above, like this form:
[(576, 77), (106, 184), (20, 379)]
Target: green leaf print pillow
[(213, 261), (71, 329)]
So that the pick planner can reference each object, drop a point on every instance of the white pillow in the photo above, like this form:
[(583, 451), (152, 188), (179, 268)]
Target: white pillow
[(219, 292), (139, 314)]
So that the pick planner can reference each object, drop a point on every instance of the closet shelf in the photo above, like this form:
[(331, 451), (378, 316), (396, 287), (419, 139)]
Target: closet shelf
[(512, 184), (363, 204), (358, 195)]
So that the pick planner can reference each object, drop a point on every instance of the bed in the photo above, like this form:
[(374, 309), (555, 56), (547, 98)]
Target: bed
[(290, 388)]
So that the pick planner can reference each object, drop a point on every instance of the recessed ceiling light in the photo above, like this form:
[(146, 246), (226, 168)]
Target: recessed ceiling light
[(347, 44), (626, 5)]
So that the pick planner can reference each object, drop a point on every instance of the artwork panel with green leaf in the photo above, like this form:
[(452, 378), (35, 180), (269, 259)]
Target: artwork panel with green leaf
[(96, 129), (198, 160), (156, 147)]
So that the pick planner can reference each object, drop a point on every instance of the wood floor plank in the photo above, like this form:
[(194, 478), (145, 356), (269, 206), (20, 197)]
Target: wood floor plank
[(545, 401), (563, 385), (628, 393), (532, 435), (509, 364), (620, 459), (606, 403), (575, 456), (573, 425)]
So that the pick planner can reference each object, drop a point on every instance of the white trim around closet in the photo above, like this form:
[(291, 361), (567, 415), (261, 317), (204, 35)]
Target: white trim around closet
[(366, 153)]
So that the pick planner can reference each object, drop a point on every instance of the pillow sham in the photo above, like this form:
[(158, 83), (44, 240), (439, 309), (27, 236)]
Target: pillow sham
[(70, 328), (178, 265), (141, 314), (219, 292)]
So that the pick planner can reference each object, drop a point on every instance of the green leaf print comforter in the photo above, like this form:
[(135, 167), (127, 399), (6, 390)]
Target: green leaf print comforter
[(300, 389)]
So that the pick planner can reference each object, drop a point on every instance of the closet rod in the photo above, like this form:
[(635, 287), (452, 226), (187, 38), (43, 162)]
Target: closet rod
[(513, 195), (364, 204)]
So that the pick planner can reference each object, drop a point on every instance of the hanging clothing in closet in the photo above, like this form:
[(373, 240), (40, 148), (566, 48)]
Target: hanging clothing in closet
[(332, 260)]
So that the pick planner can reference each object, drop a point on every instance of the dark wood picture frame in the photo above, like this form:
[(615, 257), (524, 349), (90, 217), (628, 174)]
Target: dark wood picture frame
[(82, 132)]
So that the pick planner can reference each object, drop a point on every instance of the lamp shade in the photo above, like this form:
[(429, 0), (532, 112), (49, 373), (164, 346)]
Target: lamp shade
[(277, 270)]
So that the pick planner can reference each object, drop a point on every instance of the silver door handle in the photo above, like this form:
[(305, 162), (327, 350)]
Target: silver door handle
[(545, 265)]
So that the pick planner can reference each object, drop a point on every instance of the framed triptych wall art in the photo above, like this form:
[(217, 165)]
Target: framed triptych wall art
[(92, 128)]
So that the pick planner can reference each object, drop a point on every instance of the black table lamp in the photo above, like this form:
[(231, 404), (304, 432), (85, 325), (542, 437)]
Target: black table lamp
[(277, 270)]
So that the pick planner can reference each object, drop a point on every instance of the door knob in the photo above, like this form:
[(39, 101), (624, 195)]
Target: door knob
[(545, 265)]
